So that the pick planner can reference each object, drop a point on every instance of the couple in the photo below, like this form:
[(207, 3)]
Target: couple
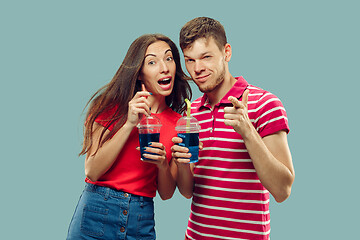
[(244, 153)]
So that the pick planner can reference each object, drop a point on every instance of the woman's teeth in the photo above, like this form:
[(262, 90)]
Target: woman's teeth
[(165, 81)]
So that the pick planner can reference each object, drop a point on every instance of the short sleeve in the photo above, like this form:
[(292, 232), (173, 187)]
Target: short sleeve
[(105, 119), (271, 115)]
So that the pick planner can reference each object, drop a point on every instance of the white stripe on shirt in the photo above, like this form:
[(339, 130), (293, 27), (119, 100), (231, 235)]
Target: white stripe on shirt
[(231, 199), (224, 159), (226, 169), (230, 229), (227, 179), (229, 209), (231, 189)]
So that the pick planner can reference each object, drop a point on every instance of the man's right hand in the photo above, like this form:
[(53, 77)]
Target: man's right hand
[(179, 154)]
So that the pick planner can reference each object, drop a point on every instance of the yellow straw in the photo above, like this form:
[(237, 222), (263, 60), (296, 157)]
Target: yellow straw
[(188, 109)]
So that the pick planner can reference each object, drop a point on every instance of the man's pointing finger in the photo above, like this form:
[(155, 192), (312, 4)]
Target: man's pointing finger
[(244, 99), (235, 102)]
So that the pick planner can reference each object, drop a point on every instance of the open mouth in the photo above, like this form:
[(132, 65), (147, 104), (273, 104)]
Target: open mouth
[(164, 81)]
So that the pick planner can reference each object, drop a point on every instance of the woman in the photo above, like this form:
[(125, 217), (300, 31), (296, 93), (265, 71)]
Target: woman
[(118, 198)]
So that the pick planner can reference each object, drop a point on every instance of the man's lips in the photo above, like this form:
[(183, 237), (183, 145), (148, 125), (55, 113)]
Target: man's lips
[(202, 78)]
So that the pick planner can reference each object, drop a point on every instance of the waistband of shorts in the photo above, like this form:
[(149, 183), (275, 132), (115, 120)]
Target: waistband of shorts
[(106, 191)]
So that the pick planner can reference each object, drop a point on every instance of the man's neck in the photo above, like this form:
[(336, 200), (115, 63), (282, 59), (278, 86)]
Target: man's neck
[(220, 91)]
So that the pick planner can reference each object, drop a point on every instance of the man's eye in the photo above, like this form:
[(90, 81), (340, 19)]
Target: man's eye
[(189, 60)]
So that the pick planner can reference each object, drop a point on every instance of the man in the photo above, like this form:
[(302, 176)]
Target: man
[(244, 154)]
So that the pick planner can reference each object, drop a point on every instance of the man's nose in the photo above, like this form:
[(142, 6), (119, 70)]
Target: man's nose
[(199, 67)]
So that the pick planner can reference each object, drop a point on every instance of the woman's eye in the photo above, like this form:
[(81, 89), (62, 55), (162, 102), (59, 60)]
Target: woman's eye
[(169, 58), (151, 62)]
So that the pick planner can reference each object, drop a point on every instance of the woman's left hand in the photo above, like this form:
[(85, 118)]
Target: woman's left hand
[(160, 158)]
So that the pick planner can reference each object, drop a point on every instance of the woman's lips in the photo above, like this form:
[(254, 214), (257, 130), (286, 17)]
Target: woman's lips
[(165, 83)]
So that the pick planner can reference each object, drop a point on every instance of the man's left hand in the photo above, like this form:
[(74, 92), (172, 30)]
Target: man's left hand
[(237, 115)]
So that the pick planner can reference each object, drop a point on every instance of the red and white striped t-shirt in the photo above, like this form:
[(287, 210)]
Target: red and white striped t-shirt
[(229, 202)]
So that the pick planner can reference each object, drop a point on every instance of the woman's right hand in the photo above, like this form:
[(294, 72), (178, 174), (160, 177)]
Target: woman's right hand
[(138, 106), (97, 165)]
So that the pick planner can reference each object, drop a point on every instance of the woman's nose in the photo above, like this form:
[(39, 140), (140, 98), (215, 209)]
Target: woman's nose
[(164, 67)]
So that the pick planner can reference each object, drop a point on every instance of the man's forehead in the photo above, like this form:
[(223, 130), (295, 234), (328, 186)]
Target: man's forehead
[(200, 46)]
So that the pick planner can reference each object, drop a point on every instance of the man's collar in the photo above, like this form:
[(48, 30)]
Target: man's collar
[(237, 90)]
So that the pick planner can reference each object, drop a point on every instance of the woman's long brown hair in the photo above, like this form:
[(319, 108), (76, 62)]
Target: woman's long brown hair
[(115, 95)]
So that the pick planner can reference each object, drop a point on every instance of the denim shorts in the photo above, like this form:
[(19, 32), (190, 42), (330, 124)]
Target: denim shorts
[(105, 213)]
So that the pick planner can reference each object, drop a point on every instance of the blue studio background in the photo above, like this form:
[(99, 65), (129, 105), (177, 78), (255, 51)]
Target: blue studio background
[(55, 54)]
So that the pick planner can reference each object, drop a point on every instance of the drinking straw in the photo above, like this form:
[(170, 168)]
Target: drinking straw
[(188, 109)]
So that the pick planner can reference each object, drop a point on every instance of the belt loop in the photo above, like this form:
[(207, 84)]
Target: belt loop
[(141, 201), (107, 193)]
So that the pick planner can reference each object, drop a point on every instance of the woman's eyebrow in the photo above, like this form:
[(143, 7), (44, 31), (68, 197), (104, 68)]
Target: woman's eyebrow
[(150, 54), (154, 55)]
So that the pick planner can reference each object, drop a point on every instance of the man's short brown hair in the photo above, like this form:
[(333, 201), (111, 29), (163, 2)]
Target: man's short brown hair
[(202, 27)]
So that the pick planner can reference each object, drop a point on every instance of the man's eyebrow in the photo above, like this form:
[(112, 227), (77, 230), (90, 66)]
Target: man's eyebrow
[(202, 54)]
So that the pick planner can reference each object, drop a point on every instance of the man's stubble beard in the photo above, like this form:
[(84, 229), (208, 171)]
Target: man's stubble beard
[(219, 80)]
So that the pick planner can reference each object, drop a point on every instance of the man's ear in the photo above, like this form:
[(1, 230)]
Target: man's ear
[(228, 52)]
